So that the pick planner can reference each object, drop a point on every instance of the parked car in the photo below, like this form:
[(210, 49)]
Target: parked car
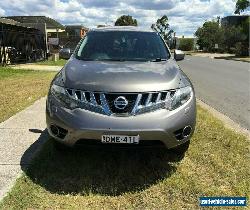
[(67, 50), (65, 53), (122, 86)]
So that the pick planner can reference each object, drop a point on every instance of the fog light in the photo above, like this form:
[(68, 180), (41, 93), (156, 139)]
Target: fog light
[(54, 129), (186, 131)]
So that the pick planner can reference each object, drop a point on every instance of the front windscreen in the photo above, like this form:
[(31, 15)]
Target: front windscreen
[(122, 46)]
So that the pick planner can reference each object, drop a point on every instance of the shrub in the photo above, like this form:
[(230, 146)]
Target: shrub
[(242, 49), (186, 44)]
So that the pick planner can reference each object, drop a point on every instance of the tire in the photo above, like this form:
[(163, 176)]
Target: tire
[(178, 153)]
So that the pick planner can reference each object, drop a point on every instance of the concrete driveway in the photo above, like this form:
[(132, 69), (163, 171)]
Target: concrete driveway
[(223, 84), (21, 137)]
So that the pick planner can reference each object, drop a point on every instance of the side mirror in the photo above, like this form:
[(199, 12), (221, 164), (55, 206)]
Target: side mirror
[(65, 53), (179, 55)]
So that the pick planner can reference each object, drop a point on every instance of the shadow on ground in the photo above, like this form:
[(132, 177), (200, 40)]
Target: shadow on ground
[(98, 170)]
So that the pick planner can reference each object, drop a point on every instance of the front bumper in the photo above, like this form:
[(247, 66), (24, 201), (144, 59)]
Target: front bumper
[(158, 125)]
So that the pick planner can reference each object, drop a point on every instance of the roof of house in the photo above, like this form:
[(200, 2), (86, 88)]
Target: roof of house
[(50, 23), (9, 21), (13, 23)]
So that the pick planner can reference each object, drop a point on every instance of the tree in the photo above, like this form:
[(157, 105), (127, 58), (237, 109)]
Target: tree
[(209, 34), (186, 44), (231, 35), (241, 5), (245, 28), (244, 45), (162, 26), (126, 20)]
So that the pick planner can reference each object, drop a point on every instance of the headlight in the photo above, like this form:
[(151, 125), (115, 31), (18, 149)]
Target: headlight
[(181, 96), (61, 94)]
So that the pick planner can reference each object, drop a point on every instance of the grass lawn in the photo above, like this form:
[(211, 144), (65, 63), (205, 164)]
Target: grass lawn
[(216, 164), (236, 58), (60, 62), (20, 88)]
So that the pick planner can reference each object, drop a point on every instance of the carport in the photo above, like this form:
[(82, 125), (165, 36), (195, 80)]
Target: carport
[(19, 44)]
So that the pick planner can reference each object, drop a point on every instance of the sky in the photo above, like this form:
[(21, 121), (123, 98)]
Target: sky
[(185, 16)]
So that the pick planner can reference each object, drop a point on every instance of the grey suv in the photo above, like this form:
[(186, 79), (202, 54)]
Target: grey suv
[(122, 86)]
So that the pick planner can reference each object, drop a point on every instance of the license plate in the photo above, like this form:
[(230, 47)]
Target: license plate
[(120, 139)]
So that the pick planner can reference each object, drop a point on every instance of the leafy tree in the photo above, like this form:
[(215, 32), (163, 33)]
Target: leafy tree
[(241, 5), (162, 26), (186, 44), (244, 45), (209, 34), (233, 38), (245, 28), (126, 20), (232, 35)]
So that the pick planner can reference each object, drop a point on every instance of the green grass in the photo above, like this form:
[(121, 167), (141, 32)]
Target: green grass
[(236, 58), (216, 164), (60, 62), (20, 88)]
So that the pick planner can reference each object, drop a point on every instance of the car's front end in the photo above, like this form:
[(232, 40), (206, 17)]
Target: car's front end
[(133, 102)]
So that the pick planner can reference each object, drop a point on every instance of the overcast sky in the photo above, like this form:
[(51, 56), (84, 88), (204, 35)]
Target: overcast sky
[(184, 15)]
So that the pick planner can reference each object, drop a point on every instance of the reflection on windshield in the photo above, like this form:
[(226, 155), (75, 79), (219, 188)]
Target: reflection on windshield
[(123, 46)]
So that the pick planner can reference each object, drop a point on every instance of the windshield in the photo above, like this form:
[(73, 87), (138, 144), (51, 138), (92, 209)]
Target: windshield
[(122, 45)]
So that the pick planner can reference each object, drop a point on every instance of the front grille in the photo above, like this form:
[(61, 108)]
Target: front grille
[(136, 103)]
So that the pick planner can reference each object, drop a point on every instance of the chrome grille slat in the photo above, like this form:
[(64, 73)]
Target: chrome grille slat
[(104, 104), (83, 98), (92, 99), (148, 101), (138, 100), (168, 99), (74, 95), (158, 98), (69, 92)]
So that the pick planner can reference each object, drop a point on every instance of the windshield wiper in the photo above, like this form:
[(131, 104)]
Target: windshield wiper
[(158, 59), (113, 59)]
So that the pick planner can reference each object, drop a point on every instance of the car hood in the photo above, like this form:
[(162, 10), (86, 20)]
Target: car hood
[(126, 76)]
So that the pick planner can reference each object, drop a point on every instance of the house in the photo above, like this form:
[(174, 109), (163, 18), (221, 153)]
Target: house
[(76, 30)]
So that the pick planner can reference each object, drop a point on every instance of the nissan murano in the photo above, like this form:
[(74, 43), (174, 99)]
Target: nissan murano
[(122, 86)]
